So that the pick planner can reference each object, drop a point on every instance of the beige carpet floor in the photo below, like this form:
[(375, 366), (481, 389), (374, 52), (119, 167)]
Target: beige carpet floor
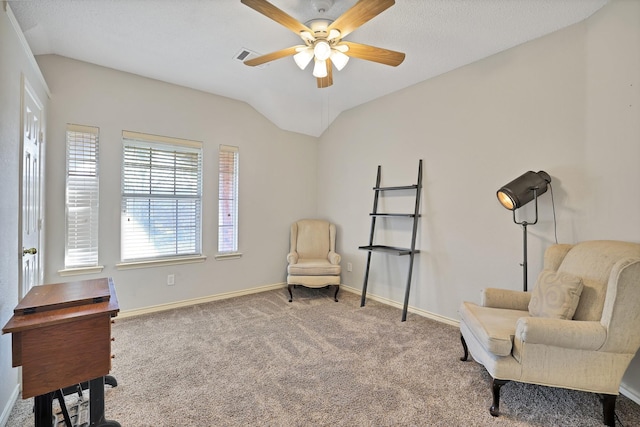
[(259, 360)]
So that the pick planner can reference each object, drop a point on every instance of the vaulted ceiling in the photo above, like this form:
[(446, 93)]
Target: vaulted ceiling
[(195, 43)]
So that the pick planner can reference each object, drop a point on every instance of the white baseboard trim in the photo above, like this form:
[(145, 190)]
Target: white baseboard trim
[(629, 393), (201, 300), (209, 298), (6, 411), (410, 309)]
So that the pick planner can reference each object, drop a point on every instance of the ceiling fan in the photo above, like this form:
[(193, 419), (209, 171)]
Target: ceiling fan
[(323, 39)]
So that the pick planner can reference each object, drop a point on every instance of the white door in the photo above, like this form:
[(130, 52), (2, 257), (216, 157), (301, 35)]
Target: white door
[(31, 184)]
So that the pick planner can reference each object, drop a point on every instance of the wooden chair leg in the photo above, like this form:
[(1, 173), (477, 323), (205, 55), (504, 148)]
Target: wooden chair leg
[(335, 296), (289, 287), (609, 409), (496, 385), (464, 347)]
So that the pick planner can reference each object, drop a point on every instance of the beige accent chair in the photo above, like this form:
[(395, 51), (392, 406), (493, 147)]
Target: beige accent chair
[(313, 261), (588, 350)]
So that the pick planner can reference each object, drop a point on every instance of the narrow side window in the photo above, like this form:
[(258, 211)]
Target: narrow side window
[(228, 157), (82, 194)]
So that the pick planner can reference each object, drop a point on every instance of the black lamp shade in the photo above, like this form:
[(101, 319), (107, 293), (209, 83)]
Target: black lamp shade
[(519, 192)]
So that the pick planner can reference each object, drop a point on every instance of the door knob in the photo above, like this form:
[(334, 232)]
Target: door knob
[(30, 251)]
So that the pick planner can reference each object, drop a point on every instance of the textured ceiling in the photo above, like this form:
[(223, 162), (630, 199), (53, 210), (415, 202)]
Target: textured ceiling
[(194, 43)]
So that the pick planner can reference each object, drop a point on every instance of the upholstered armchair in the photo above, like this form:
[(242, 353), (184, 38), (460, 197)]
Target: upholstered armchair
[(313, 261), (578, 329)]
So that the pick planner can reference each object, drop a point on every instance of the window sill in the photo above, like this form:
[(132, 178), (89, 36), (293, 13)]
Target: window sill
[(233, 255), (128, 265), (81, 270)]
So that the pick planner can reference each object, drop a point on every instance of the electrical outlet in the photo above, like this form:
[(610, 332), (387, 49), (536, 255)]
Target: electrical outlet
[(171, 279), (349, 267)]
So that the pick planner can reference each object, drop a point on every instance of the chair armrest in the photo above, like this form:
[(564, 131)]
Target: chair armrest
[(561, 333), (334, 258), (505, 298), (292, 257)]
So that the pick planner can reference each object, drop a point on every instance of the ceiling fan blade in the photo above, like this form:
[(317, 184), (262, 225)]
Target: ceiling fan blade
[(375, 54), (281, 17), (360, 13), (273, 56), (326, 81)]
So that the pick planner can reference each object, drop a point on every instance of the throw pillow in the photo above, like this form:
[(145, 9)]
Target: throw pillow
[(555, 295)]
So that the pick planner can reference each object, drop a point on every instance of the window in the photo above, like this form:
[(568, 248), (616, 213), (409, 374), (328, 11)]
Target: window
[(161, 197), (81, 242), (228, 200)]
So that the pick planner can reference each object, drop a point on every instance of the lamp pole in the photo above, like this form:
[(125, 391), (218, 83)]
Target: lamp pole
[(524, 237), (524, 261)]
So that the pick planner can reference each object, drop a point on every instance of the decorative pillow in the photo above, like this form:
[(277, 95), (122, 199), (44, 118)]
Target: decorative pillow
[(555, 295)]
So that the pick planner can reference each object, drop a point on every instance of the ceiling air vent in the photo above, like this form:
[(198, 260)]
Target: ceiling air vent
[(244, 54)]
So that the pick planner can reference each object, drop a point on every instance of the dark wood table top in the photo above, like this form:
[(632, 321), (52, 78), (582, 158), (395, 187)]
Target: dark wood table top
[(47, 305)]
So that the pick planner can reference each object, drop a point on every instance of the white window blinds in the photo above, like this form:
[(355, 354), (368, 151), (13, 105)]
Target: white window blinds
[(81, 243), (161, 197), (228, 199)]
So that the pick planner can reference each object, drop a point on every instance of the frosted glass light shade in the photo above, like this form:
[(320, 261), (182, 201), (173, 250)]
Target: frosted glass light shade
[(339, 59), (303, 58), (320, 69), (322, 50), (334, 34)]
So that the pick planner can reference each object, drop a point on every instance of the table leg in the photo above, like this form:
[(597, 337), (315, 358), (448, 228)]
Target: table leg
[(96, 405), (43, 410)]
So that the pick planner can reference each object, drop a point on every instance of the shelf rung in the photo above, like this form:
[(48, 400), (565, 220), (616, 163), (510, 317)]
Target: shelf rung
[(393, 214), (402, 187), (388, 249)]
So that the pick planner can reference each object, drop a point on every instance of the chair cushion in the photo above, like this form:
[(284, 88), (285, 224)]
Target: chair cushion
[(555, 295), (313, 267), (493, 328), (313, 238)]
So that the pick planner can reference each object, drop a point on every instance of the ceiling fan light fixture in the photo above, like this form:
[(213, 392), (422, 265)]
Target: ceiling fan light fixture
[(320, 68), (333, 34), (319, 26), (303, 58), (307, 37), (323, 37), (341, 47), (322, 50), (339, 59)]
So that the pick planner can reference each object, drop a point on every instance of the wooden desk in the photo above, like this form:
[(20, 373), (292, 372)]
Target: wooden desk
[(61, 336)]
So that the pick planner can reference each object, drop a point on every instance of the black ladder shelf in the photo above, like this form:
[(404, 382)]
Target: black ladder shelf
[(411, 251)]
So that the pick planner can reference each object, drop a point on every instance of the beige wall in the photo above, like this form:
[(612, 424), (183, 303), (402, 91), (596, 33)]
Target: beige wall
[(613, 133), (566, 103), (14, 63), (277, 178)]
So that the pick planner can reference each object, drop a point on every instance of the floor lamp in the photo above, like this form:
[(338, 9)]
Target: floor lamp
[(519, 192)]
